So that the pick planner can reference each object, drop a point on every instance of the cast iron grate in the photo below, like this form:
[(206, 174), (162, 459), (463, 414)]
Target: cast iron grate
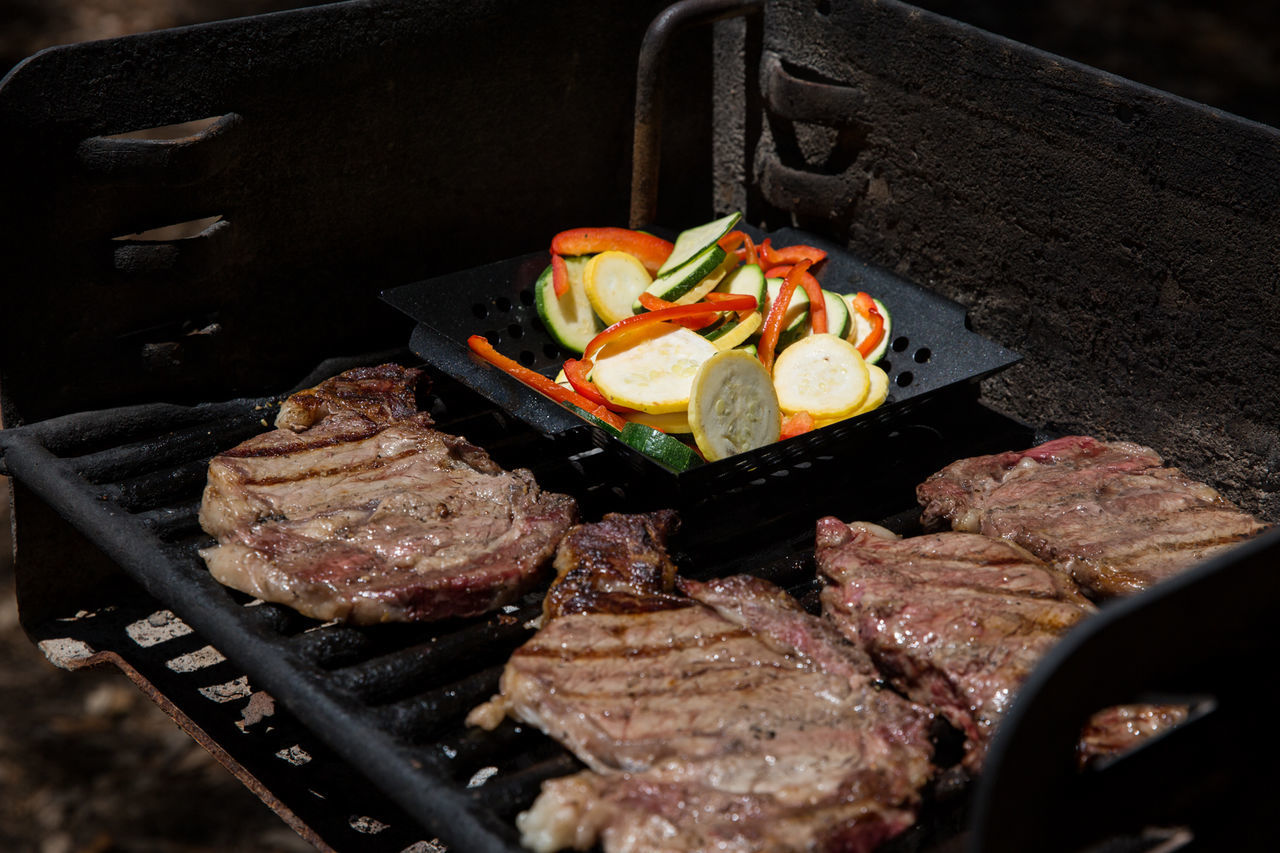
[(390, 700)]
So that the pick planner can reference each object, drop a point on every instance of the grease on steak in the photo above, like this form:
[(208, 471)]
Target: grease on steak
[(716, 715), (1109, 513), (369, 514), (958, 621)]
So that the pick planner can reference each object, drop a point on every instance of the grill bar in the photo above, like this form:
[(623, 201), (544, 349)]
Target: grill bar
[(390, 700)]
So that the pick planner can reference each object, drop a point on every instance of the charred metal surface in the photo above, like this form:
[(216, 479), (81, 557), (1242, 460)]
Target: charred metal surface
[(1121, 237)]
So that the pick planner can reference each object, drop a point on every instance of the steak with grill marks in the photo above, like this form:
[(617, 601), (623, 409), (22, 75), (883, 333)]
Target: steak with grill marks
[(1109, 513), (958, 621), (356, 508), (710, 716)]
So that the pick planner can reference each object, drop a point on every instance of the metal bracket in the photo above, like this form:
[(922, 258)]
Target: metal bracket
[(647, 143)]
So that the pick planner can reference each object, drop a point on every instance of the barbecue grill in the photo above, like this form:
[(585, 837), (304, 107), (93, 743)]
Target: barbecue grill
[(1119, 239)]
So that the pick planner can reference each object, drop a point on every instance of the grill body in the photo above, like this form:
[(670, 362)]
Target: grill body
[(1120, 239)]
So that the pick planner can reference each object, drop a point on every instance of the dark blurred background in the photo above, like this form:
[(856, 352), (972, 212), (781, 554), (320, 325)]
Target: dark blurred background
[(88, 765)]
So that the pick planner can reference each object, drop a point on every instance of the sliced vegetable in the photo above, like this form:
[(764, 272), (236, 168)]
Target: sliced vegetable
[(839, 319), (559, 275), (670, 422), (823, 375), (578, 372), (771, 257), (733, 407), (694, 241), (672, 452), (535, 380), (640, 322), (652, 251), (675, 284), (876, 396), (593, 419), (746, 280), (733, 330), (612, 281), (797, 424), (878, 392), (817, 301), (796, 318), (775, 317), (569, 318), (652, 372), (864, 328), (652, 303)]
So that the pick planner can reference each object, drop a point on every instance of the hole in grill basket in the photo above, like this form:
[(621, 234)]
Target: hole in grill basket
[(900, 344), (904, 378), (923, 355)]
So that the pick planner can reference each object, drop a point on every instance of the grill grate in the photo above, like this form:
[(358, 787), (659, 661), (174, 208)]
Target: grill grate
[(390, 700)]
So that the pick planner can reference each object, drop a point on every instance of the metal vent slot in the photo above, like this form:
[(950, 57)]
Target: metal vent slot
[(168, 155)]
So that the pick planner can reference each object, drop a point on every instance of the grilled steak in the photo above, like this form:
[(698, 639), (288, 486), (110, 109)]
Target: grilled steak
[(957, 620), (1108, 513), (1114, 730), (712, 715), (355, 508)]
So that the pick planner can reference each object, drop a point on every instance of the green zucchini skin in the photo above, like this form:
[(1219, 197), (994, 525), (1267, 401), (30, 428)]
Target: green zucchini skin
[(672, 452)]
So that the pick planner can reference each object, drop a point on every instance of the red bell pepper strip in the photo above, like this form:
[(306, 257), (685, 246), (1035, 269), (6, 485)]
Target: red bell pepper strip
[(741, 244), (657, 303), (577, 370), (817, 302), (772, 257), (773, 322), (866, 306), (559, 276), (628, 325), (650, 250), (535, 380), (732, 241), (797, 424), (715, 296)]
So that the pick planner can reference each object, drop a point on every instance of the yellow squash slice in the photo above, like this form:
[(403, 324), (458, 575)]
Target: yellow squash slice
[(652, 371), (876, 396), (671, 422), (823, 375), (613, 280), (733, 407)]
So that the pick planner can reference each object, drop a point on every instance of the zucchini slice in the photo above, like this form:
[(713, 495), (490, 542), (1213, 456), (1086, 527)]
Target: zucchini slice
[(672, 452), (652, 371), (861, 327), (592, 419), (796, 320), (733, 407), (839, 320), (823, 375), (675, 284), (746, 280), (569, 319), (694, 241), (613, 280)]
